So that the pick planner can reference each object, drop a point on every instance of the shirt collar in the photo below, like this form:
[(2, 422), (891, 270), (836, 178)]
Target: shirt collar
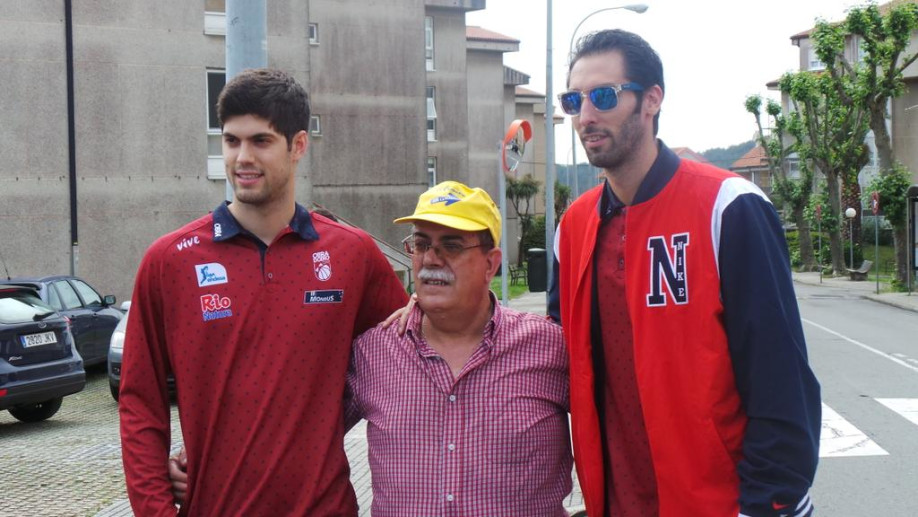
[(226, 226), (662, 170), (489, 336)]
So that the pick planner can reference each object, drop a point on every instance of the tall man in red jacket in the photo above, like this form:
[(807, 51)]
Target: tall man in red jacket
[(691, 393), (253, 309)]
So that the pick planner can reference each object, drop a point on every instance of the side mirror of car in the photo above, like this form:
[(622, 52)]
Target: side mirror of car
[(109, 299)]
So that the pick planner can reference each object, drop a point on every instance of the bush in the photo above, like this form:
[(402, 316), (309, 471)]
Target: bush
[(535, 237)]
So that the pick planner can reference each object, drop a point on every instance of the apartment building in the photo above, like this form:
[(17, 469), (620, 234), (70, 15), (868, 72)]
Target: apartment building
[(402, 96), (902, 122)]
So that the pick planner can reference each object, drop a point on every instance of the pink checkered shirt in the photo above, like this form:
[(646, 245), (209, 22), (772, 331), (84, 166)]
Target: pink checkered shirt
[(493, 442)]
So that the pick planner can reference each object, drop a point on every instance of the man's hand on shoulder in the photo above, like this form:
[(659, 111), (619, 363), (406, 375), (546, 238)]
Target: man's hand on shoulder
[(178, 475), (401, 316)]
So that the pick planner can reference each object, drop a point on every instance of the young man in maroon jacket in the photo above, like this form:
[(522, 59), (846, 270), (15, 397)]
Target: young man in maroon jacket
[(253, 309)]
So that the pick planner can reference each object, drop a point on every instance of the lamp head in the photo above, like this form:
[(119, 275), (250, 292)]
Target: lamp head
[(850, 213), (638, 8)]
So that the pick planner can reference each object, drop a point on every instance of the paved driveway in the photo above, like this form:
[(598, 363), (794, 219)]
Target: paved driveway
[(70, 465)]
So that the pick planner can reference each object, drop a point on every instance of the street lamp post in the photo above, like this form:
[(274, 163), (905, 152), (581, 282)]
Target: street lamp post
[(850, 213), (549, 156), (637, 8), (550, 129)]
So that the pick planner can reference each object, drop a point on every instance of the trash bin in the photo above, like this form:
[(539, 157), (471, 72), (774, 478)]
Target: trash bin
[(537, 270)]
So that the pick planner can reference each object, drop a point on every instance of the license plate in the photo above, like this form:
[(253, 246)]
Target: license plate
[(44, 338)]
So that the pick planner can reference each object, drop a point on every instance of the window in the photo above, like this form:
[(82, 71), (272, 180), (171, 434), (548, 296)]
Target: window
[(215, 81), (215, 17), (313, 33), (815, 63), (315, 124), (90, 297), (68, 297), (431, 171), (431, 114), (429, 42)]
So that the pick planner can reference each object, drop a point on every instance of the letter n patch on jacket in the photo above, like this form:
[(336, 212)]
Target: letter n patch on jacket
[(666, 269)]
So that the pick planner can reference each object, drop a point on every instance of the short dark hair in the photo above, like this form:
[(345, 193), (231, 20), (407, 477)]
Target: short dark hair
[(486, 240), (268, 93), (642, 63)]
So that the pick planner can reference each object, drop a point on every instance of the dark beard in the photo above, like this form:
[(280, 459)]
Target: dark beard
[(619, 150)]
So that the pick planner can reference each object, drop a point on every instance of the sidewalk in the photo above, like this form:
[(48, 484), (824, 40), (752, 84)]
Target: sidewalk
[(866, 289), (536, 302)]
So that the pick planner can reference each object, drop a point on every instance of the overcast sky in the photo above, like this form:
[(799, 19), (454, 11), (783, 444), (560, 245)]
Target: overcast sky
[(715, 53)]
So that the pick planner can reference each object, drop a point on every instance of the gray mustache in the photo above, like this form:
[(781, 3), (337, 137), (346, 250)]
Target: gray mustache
[(439, 275)]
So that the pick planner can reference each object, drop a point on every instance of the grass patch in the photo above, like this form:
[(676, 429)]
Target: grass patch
[(514, 290)]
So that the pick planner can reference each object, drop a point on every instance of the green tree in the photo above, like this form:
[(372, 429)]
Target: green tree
[(829, 130), (520, 193), (792, 193), (562, 199), (874, 79), (892, 189)]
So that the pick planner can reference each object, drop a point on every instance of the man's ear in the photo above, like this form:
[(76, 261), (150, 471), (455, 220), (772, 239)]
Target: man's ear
[(300, 144), (494, 256), (653, 100)]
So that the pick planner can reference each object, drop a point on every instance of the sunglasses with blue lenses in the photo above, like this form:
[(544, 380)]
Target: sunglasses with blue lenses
[(603, 98)]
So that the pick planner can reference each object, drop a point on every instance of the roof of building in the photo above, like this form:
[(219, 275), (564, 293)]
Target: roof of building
[(688, 154), (526, 92), (477, 33), (753, 159), (884, 8)]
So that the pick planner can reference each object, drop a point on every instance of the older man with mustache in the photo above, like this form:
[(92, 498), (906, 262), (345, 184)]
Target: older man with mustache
[(467, 410)]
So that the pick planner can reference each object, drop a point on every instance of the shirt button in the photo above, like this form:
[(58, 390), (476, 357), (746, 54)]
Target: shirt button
[(270, 275), (452, 398), (449, 497), (621, 263), (451, 446)]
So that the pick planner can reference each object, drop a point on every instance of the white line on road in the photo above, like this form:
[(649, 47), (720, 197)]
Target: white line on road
[(840, 438), (908, 408), (862, 345)]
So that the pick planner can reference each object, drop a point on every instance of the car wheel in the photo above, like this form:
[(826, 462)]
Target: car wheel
[(37, 412), (114, 390)]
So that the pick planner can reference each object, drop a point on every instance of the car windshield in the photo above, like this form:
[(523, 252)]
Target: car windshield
[(21, 306)]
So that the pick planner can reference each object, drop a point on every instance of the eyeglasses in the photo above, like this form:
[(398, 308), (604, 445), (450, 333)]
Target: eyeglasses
[(603, 98), (447, 250)]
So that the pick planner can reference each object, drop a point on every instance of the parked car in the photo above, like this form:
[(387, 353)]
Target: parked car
[(116, 352), (39, 365), (92, 317)]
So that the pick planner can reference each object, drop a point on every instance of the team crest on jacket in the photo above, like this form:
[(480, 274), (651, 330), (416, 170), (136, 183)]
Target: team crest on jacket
[(321, 265), (668, 270)]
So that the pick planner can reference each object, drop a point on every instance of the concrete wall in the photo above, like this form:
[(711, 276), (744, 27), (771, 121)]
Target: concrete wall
[(451, 149), (140, 118), (367, 83), (486, 117)]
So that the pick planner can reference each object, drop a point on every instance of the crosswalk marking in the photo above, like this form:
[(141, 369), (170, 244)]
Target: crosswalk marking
[(840, 438), (908, 408)]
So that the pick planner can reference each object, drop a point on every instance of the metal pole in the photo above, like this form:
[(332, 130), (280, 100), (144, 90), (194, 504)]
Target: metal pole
[(819, 257), (851, 236), (502, 188), (246, 42), (876, 247), (549, 155)]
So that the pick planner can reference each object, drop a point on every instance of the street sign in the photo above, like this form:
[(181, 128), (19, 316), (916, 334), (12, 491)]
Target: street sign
[(875, 202)]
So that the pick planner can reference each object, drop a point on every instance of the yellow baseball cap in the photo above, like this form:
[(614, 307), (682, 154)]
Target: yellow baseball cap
[(455, 205)]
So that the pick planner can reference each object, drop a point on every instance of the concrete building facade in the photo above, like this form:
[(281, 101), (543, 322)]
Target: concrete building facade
[(401, 97)]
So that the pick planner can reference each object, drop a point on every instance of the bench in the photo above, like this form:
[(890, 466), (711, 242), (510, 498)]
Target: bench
[(861, 272), (517, 274)]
